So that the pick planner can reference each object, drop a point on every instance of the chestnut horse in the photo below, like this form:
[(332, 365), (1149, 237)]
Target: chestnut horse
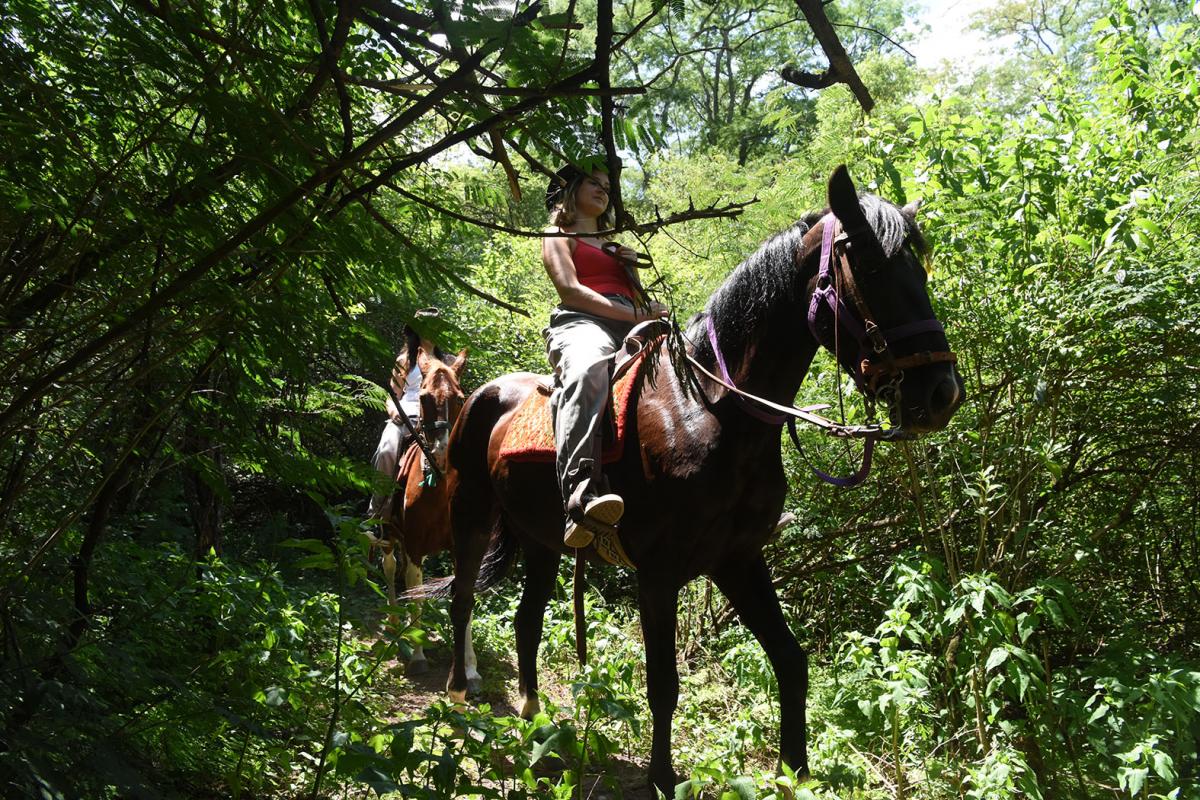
[(419, 524), (702, 479)]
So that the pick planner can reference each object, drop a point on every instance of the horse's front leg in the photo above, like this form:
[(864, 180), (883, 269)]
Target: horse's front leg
[(541, 567), (748, 587), (389, 572), (659, 609), (417, 665)]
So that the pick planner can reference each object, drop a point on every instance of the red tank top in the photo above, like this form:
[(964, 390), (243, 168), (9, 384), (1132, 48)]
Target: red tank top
[(599, 271)]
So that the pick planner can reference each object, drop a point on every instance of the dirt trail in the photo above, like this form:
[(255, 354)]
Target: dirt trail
[(412, 694)]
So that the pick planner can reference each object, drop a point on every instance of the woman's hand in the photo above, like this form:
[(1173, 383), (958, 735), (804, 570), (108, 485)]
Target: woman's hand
[(656, 310), (627, 254), (392, 412)]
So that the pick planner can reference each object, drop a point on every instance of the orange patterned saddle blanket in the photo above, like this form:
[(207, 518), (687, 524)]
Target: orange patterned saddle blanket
[(530, 435)]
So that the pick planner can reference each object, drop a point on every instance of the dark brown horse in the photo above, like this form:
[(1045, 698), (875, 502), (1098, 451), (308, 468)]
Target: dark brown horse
[(419, 524), (702, 479)]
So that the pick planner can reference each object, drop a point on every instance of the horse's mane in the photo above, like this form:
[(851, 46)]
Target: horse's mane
[(770, 277), (740, 306)]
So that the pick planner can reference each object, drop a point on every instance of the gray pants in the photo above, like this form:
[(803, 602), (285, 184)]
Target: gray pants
[(578, 346)]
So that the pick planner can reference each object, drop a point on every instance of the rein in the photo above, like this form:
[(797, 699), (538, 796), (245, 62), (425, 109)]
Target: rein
[(416, 435), (875, 360), (754, 405)]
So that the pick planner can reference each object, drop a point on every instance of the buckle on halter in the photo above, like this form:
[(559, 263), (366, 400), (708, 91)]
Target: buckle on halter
[(871, 331)]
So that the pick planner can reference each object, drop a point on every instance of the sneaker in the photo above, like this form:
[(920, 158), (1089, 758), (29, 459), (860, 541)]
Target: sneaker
[(605, 510)]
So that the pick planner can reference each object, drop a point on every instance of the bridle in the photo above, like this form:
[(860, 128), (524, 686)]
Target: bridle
[(442, 422), (436, 427), (425, 432), (876, 368)]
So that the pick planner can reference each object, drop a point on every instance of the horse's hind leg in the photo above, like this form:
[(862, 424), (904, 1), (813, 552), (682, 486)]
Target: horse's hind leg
[(541, 567), (474, 679), (748, 587)]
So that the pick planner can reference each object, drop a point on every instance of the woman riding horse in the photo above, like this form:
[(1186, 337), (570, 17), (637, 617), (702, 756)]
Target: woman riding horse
[(418, 524), (702, 479), (395, 438), (598, 309)]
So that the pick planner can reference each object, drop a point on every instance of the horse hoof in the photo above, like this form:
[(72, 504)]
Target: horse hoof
[(664, 783), (474, 686), (417, 668), (530, 707)]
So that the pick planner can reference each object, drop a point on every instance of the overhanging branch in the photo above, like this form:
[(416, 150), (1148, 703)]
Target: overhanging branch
[(841, 68), (675, 218)]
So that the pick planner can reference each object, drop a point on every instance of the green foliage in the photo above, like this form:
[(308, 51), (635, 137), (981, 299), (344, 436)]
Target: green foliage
[(193, 674), (1065, 264), (1006, 609)]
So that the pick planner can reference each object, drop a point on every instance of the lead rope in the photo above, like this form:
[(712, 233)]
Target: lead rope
[(864, 469), (580, 622), (827, 257)]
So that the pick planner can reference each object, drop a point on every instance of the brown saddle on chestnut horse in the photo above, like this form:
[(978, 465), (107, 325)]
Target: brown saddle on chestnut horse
[(530, 435)]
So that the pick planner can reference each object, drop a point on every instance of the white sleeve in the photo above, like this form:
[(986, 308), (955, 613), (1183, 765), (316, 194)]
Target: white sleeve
[(410, 401)]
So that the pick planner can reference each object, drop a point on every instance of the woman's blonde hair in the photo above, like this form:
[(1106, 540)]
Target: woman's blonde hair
[(564, 214)]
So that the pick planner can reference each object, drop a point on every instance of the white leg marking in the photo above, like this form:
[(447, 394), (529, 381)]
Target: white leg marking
[(389, 571), (471, 664), (530, 706), (413, 578)]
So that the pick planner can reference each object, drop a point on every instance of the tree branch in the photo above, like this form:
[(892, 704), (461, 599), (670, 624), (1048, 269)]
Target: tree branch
[(712, 212), (878, 33), (410, 89), (603, 62), (841, 68)]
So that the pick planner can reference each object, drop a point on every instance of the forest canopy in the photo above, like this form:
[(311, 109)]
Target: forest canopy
[(217, 219)]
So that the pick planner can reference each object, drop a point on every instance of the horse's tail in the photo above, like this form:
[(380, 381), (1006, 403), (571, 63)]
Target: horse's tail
[(499, 558), (497, 563)]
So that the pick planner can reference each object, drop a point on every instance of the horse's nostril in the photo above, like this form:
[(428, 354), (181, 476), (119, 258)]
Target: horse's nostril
[(945, 394)]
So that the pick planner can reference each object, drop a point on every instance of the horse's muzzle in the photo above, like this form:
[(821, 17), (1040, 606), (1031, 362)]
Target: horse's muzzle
[(928, 406)]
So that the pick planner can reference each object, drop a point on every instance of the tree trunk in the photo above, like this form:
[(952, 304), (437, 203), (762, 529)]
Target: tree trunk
[(203, 501)]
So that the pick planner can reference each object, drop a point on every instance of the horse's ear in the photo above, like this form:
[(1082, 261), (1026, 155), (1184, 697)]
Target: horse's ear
[(843, 202), (422, 360), (843, 197), (910, 210), (460, 362)]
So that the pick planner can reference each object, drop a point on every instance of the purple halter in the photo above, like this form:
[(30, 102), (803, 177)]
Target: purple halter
[(873, 343)]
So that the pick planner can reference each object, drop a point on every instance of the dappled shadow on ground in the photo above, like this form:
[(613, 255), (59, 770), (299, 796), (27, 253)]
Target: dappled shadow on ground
[(414, 692), (625, 779)]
